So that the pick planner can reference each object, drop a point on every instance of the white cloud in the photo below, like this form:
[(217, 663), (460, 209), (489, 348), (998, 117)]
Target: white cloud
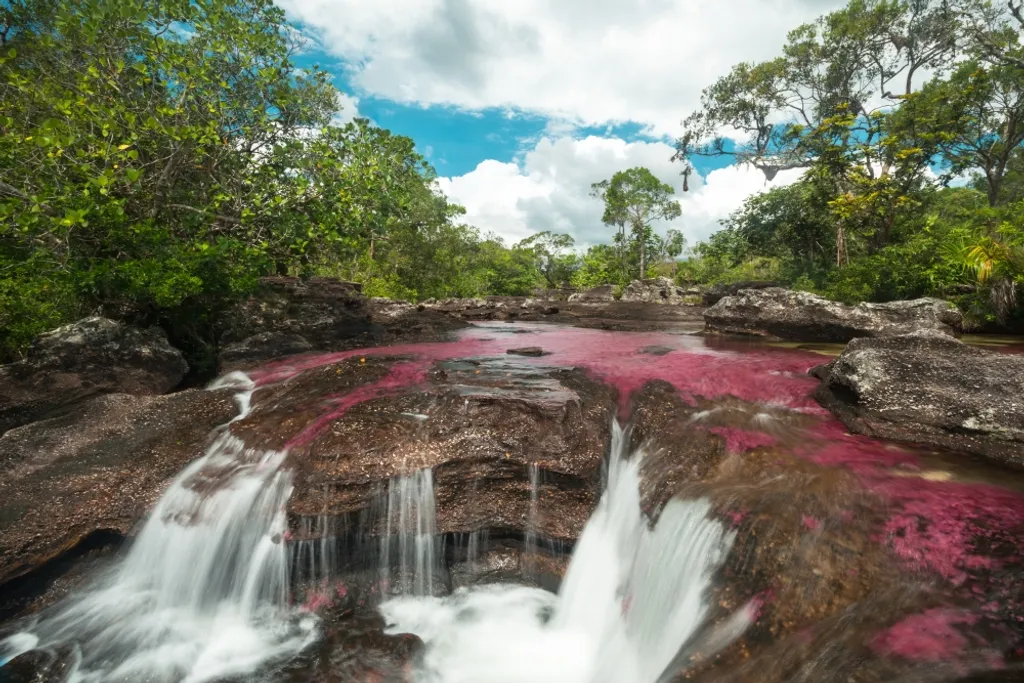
[(349, 107), (550, 189), (579, 61)]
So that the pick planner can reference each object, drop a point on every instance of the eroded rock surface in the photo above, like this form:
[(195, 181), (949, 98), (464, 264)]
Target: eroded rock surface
[(98, 468), (92, 356), (929, 388), (778, 313)]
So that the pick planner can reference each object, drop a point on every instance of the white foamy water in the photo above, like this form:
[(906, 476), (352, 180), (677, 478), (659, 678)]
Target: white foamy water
[(203, 592), (631, 601)]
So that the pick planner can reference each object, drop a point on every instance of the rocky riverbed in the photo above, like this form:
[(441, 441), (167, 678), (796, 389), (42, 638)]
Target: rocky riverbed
[(880, 543)]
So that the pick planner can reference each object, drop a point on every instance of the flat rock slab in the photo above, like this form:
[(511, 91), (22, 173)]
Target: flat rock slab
[(98, 468), (784, 314), (932, 389)]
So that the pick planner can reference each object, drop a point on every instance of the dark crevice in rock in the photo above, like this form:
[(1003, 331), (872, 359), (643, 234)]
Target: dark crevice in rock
[(17, 594)]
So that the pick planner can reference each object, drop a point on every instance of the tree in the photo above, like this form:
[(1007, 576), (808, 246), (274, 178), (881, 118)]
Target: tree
[(553, 257), (981, 113), (635, 197)]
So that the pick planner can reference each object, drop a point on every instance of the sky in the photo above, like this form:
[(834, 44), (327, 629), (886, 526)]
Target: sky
[(521, 104)]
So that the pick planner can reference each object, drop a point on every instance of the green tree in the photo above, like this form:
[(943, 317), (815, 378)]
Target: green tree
[(635, 197), (554, 256)]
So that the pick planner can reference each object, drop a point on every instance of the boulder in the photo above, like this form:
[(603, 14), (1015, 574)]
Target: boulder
[(96, 470), (289, 315), (777, 313), (927, 387), (718, 292), (659, 290), (92, 356), (597, 295)]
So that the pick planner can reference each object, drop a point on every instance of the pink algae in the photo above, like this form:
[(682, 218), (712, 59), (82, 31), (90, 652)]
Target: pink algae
[(930, 636), (811, 523), (954, 530), (401, 375)]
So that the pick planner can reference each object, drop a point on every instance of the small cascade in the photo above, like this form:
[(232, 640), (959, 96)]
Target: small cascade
[(477, 546), (409, 557), (314, 553), (532, 522), (630, 602), (203, 592)]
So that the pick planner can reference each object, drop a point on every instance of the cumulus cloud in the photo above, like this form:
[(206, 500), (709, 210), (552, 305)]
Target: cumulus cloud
[(549, 189), (585, 62)]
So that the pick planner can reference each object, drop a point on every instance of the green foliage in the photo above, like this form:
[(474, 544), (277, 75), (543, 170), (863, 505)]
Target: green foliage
[(157, 157), (634, 198), (869, 220)]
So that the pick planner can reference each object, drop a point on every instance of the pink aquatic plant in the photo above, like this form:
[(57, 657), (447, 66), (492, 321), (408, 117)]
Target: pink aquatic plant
[(930, 636)]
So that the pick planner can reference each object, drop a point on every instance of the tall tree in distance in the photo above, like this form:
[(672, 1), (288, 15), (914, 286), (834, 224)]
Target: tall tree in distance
[(635, 197)]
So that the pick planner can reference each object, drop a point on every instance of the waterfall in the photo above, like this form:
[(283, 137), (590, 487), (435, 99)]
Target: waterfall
[(409, 543), (477, 545), (630, 601), (203, 591), (532, 522)]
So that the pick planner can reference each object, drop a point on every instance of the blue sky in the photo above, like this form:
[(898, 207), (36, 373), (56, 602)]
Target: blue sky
[(521, 106)]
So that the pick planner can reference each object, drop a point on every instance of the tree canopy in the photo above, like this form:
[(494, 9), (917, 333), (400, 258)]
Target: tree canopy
[(881, 104)]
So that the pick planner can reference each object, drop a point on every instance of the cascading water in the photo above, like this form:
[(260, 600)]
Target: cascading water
[(203, 592), (631, 600), (409, 544), (532, 520)]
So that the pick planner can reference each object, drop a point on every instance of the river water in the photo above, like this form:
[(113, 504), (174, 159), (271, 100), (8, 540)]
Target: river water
[(208, 590)]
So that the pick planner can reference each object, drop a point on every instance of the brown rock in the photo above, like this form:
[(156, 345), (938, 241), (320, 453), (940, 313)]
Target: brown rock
[(96, 469), (92, 356)]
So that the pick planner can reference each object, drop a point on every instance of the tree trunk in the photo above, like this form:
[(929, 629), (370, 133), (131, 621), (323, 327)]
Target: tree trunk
[(643, 256)]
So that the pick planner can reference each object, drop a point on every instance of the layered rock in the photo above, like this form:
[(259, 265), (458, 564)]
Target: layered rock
[(927, 387), (777, 313), (75, 362), (95, 470), (289, 315)]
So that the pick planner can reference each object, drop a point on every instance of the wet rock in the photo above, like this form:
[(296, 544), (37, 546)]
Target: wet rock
[(289, 315), (527, 351), (97, 469), (92, 356), (777, 313), (929, 388), (596, 295), (478, 423), (38, 666), (659, 290)]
